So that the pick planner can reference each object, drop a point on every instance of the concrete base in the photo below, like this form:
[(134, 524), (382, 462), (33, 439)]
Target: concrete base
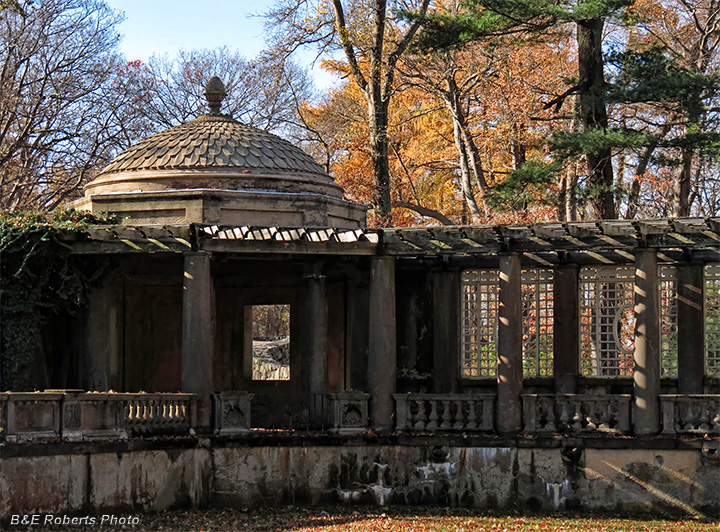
[(264, 208), (547, 477)]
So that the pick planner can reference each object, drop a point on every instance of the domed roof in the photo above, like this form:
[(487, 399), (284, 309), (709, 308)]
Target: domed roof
[(217, 152), (214, 141)]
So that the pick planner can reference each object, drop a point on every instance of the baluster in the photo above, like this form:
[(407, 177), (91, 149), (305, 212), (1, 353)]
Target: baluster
[(459, 422), (550, 418), (446, 418), (609, 420), (590, 418), (564, 414), (688, 416), (432, 425), (472, 416), (577, 415), (421, 419), (704, 418)]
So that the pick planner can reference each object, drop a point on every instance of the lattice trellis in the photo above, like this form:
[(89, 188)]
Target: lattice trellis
[(712, 319), (667, 282), (607, 321), (479, 323), (537, 322), (480, 290)]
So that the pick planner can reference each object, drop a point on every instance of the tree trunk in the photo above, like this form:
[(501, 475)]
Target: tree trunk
[(593, 115), (681, 208), (378, 122), (452, 101), (634, 195)]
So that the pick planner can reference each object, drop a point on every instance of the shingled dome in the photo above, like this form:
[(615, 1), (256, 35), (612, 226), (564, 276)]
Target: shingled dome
[(239, 173)]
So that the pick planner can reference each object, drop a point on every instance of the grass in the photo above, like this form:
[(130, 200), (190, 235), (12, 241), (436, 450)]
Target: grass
[(394, 519)]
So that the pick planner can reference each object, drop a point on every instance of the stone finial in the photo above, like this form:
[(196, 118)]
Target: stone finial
[(215, 94)]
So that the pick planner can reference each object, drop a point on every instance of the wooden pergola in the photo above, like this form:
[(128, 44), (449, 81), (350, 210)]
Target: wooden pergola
[(686, 243)]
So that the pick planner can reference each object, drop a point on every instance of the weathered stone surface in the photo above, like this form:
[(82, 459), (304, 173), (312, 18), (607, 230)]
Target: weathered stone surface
[(42, 484), (661, 481), (150, 480)]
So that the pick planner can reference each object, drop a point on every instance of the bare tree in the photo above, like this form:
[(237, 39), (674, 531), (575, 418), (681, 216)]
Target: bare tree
[(63, 99), (262, 92)]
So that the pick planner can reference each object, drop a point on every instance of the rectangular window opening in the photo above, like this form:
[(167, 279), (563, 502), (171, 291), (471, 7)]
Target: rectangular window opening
[(268, 336)]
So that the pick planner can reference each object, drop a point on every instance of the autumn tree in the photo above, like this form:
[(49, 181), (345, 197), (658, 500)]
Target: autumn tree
[(527, 17), (371, 40)]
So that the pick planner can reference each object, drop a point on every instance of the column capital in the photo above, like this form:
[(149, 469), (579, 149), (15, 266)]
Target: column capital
[(314, 272), (197, 253)]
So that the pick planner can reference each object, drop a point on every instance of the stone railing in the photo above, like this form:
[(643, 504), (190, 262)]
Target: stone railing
[(79, 416), (159, 413), (87, 416), (30, 416), (576, 413), (432, 412), (339, 412), (690, 414)]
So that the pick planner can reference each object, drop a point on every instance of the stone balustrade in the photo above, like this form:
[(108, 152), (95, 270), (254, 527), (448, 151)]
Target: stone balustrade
[(690, 414), (445, 412), (79, 416), (576, 413), (150, 414)]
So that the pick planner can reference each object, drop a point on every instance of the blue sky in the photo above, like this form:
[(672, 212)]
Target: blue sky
[(158, 27), (167, 26)]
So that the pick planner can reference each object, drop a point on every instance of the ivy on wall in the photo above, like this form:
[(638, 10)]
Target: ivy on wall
[(39, 279)]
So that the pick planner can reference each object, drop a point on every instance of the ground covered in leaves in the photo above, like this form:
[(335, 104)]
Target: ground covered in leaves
[(395, 519)]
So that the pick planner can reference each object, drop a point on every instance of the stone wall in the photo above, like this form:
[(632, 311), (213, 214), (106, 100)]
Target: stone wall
[(143, 480), (192, 472)]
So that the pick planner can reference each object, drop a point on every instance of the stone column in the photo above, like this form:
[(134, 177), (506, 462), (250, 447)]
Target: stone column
[(446, 360), (382, 362), (646, 374), (690, 327), (510, 363), (198, 333), (102, 340), (566, 348), (314, 332)]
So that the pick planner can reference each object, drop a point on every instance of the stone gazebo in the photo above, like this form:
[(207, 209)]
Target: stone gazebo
[(215, 170), (549, 366)]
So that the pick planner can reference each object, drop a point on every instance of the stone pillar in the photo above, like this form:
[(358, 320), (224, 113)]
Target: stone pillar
[(102, 340), (382, 356), (314, 332), (446, 305), (646, 374), (566, 348), (691, 327), (510, 363), (198, 333)]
